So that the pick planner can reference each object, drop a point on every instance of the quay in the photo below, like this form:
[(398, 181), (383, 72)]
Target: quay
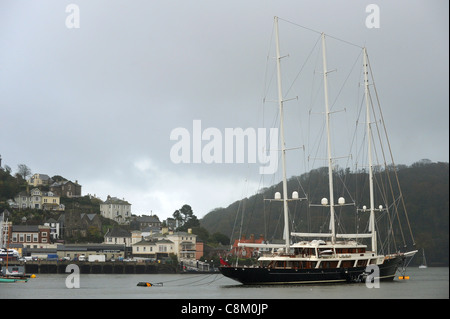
[(86, 267)]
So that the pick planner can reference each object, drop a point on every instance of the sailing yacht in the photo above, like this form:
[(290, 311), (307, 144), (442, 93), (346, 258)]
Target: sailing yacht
[(327, 257)]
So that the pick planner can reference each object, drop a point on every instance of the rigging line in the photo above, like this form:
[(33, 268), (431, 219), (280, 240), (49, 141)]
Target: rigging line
[(251, 213), (234, 226), (267, 63), (346, 79), (315, 31), (390, 151), (387, 174), (303, 66), (385, 164)]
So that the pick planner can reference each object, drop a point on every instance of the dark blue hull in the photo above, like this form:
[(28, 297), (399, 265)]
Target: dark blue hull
[(267, 276)]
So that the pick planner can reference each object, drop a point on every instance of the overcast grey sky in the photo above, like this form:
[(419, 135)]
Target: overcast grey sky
[(97, 103)]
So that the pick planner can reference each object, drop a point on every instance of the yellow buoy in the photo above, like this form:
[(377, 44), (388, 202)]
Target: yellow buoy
[(403, 277), (33, 276)]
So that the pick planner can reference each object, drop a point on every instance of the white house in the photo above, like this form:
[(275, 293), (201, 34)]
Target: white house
[(54, 228), (118, 236), (153, 248), (116, 209), (184, 243)]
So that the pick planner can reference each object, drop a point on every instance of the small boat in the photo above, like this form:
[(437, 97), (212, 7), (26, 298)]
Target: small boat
[(13, 271), (13, 279), (149, 284), (13, 274), (9, 254)]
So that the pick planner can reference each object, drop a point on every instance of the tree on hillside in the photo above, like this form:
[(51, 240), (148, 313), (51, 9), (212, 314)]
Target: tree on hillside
[(186, 218), (23, 170)]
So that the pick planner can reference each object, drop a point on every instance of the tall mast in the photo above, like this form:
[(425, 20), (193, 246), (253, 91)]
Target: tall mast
[(283, 146), (330, 161), (369, 146)]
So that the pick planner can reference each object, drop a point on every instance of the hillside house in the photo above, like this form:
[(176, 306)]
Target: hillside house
[(116, 209), (75, 223), (146, 221), (37, 199), (66, 189), (40, 180)]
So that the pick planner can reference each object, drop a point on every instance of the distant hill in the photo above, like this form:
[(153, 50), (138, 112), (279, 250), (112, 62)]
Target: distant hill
[(425, 188)]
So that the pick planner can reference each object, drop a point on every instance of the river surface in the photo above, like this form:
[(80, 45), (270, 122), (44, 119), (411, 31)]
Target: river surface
[(431, 283)]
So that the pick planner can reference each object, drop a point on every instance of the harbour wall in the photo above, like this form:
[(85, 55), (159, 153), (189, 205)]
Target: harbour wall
[(56, 267)]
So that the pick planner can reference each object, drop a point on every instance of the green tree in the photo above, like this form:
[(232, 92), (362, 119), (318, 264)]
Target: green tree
[(186, 218)]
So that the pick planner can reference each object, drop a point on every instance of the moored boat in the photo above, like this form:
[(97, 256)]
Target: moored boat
[(329, 257)]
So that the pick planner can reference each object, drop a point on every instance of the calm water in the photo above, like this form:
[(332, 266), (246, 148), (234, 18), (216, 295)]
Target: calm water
[(423, 284)]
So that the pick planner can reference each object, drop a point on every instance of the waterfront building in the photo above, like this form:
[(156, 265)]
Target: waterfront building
[(118, 236), (153, 249), (31, 236)]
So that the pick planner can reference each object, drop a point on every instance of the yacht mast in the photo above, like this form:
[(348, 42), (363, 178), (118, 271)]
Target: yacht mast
[(369, 145), (330, 161), (283, 146)]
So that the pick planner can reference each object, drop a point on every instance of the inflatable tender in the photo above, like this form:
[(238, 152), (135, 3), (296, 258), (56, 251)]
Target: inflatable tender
[(149, 284)]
